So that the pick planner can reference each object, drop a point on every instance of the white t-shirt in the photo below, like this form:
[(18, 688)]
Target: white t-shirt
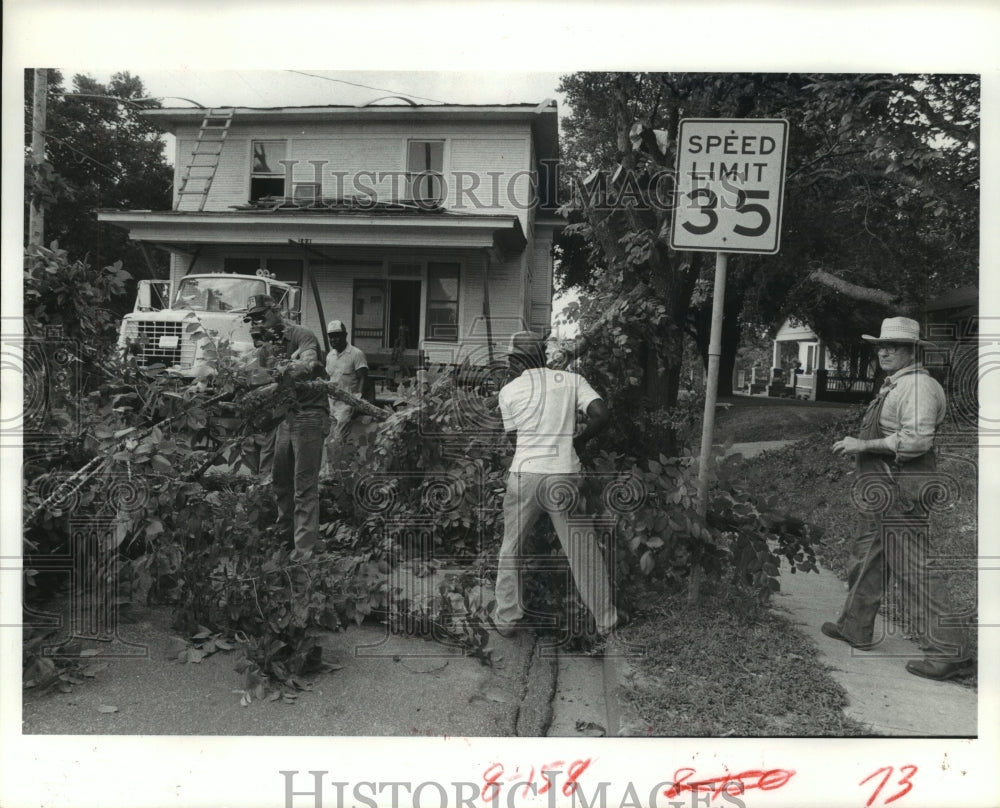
[(342, 368), (541, 404)]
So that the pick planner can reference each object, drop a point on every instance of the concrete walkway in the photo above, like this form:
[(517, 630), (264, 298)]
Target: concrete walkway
[(755, 448), (882, 695)]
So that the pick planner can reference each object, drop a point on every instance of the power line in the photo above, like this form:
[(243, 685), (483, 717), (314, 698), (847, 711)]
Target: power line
[(135, 102), (72, 148), (368, 87)]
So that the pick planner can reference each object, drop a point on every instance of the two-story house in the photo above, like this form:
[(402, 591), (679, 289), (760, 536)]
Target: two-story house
[(430, 222)]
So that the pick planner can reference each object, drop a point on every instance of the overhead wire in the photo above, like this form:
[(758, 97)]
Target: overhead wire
[(73, 149), (367, 86)]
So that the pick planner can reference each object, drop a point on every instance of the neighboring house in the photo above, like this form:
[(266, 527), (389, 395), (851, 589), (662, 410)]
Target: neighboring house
[(952, 323), (953, 317), (821, 375), (420, 221)]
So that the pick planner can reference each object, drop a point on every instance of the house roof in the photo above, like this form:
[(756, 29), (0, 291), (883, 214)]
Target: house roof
[(962, 297), (186, 230), (543, 116), (793, 331)]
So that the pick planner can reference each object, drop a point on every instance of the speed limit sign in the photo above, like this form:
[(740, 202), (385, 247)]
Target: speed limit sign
[(729, 186)]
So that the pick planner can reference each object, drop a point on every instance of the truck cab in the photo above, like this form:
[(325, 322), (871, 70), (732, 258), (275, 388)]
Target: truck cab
[(205, 311)]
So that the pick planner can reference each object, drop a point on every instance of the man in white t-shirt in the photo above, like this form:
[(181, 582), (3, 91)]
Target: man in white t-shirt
[(539, 410), (347, 368)]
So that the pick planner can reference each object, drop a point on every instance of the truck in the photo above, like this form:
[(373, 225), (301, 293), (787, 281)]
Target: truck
[(179, 331)]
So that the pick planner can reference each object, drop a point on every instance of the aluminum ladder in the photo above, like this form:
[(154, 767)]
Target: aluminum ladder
[(200, 171)]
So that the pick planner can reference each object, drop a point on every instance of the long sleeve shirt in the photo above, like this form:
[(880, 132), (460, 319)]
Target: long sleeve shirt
[(914, 408)]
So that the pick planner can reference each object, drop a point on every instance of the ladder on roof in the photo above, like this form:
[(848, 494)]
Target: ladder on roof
[(200, 171)]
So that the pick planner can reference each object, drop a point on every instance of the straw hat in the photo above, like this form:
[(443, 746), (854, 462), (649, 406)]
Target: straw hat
[(899, 329)]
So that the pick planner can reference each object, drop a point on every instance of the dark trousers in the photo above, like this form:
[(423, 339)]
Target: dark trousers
[(298, 452), (892, 546)]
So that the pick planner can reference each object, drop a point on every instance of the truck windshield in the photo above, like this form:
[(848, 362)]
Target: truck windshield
[(219, 293)]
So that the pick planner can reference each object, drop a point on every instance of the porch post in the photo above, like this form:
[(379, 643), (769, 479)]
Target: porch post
[(487, 260), (325, 340), (819, 373)]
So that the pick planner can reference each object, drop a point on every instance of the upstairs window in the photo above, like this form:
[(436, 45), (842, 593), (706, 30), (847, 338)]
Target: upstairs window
[(267, 174), (442, 301), (424, 171)]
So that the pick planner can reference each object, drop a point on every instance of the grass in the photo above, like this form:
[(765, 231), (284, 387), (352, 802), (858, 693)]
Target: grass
[(752, 418), (729, 668)]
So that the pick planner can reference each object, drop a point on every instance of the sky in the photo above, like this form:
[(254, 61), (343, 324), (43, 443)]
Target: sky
[(273, 88)]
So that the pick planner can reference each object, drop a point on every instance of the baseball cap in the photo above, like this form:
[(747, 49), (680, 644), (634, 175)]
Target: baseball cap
[(259, 303), (335, 326)]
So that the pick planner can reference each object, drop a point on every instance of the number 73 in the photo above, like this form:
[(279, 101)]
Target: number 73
[(711, 203)]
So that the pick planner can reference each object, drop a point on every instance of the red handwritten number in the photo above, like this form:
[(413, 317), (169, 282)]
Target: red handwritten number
[(548, 772), (530, 783), (490, 781), (905, 780), (576, 769)]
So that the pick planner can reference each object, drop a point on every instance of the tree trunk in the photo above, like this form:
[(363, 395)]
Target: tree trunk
[(731, 333), (730, 345), (661, 383)]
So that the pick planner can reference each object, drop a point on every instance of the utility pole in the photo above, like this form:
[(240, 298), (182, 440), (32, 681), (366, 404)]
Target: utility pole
[(36, 217)]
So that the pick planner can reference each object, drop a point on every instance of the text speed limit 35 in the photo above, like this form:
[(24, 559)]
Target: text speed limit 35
[(730, 183)]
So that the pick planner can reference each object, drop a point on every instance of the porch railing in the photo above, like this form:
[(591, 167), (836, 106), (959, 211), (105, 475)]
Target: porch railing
[(848, 384)]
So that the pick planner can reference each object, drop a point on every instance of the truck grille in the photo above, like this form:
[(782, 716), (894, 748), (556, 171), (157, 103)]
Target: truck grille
[(146, 343)]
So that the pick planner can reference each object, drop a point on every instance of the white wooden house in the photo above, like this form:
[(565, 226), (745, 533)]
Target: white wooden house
[(803, 367), (425, 217)]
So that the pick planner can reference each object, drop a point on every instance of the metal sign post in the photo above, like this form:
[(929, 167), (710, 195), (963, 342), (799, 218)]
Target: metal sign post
[(712, 382), (729, 189)]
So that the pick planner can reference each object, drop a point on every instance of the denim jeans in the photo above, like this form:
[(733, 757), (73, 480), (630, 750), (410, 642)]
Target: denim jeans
[(298, 451)]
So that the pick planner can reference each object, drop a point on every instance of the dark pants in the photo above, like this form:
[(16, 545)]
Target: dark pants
[(298, 452), (892, 545)]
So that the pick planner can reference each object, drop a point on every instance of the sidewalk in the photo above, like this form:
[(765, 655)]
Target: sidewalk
[(881, 693), (748, 450)]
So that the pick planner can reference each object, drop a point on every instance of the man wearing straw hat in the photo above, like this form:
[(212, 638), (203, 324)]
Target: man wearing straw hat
[(895, 465)]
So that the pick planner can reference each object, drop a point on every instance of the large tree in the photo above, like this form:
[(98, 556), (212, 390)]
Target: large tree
[(101, 153), (881, 208)]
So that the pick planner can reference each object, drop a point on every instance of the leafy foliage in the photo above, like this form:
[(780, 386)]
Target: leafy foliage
[(100, 153), (881, 192), (662, 534)]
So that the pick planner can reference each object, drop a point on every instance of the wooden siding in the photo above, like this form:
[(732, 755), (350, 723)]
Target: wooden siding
[(351, 148)]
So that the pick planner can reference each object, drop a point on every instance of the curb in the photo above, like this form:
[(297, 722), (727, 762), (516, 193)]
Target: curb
[(534, 716), (624, 720)]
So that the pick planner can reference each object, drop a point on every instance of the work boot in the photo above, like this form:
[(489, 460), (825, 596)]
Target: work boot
[(936, 669), (831, 630)]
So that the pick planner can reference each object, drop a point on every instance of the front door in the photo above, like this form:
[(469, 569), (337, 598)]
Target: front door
[(368, 328), (404, 313)]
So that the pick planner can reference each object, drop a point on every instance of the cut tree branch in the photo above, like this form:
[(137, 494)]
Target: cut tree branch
[(863, 294)]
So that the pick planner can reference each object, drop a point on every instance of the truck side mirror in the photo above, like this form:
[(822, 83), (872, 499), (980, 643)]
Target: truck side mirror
[(152, 295)]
